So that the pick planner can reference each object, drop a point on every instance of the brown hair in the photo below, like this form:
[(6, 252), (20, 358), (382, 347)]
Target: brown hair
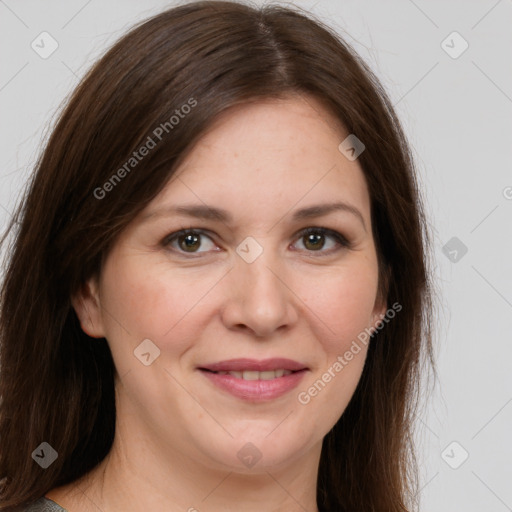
[(57, 384)]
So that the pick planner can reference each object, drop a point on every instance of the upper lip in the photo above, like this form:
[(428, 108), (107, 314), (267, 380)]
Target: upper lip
[(260, 365)]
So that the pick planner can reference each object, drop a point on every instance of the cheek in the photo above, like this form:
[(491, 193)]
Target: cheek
[(171, 307), (343, 304), (340, 312), (149, 300), (136, 300)]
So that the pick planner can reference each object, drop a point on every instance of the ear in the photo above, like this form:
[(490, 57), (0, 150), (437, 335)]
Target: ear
[(87, 306)]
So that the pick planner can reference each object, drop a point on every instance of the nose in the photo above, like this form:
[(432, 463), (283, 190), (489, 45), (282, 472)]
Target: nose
[(258, 300)]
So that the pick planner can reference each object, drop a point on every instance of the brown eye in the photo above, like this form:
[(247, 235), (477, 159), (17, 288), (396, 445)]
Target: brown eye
[(189, 241), (314, 239)]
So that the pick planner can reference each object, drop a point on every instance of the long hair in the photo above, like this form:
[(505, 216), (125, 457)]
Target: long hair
[(56, 383)]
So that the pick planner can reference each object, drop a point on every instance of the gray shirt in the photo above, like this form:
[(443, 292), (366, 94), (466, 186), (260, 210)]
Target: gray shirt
[(44, 505)]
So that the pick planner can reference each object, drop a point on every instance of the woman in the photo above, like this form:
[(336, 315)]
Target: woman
[(217, 294)]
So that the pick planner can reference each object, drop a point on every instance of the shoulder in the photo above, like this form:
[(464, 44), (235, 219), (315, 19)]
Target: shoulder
[(44, 505)]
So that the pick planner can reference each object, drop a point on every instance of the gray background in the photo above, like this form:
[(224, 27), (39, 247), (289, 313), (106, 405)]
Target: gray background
[(457, 113)]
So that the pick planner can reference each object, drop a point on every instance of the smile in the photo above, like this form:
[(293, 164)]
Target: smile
[(255, 375)]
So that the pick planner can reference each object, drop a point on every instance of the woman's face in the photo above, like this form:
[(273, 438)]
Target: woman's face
[(246, 291)]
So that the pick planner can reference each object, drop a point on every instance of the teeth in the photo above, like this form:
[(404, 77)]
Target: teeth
[(254, 375), (250, 375)]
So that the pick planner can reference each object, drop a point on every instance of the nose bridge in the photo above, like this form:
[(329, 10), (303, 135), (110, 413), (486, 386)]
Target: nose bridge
[(260, 300), (260, 274)]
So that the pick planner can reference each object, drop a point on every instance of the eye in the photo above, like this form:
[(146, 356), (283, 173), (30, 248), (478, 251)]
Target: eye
[(188, 241), (314, 239)]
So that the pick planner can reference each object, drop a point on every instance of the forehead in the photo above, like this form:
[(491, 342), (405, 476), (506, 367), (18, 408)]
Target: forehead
[(269, 155)]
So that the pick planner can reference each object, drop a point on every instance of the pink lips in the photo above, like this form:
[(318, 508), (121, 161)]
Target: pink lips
[(255, 390), (238, 365)]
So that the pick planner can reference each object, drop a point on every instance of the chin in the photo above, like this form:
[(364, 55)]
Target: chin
[(255, 452)]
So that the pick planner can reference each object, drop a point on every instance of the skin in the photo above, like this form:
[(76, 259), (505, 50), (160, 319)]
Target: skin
[(178, 435)]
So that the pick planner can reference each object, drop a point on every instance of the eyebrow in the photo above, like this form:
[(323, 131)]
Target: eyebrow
[(219, 214)]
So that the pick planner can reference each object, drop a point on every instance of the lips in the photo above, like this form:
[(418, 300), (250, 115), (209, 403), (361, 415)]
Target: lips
[(255, 380), (255, 375), (255, 365)]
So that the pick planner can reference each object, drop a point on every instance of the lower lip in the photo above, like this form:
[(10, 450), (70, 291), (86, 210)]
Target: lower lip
[(256, 390)]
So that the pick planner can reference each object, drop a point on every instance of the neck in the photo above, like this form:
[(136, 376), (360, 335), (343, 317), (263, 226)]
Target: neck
[(125, 482)]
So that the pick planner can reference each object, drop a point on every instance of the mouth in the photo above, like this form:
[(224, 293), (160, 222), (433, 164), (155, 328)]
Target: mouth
[(255, 380), (255, 375)]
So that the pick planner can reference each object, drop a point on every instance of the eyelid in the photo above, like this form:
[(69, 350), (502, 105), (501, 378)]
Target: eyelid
[(324, 231), (341, 240), (186, 231)]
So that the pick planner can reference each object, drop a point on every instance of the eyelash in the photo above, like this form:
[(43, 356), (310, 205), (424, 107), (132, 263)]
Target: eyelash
[(338, 237)]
